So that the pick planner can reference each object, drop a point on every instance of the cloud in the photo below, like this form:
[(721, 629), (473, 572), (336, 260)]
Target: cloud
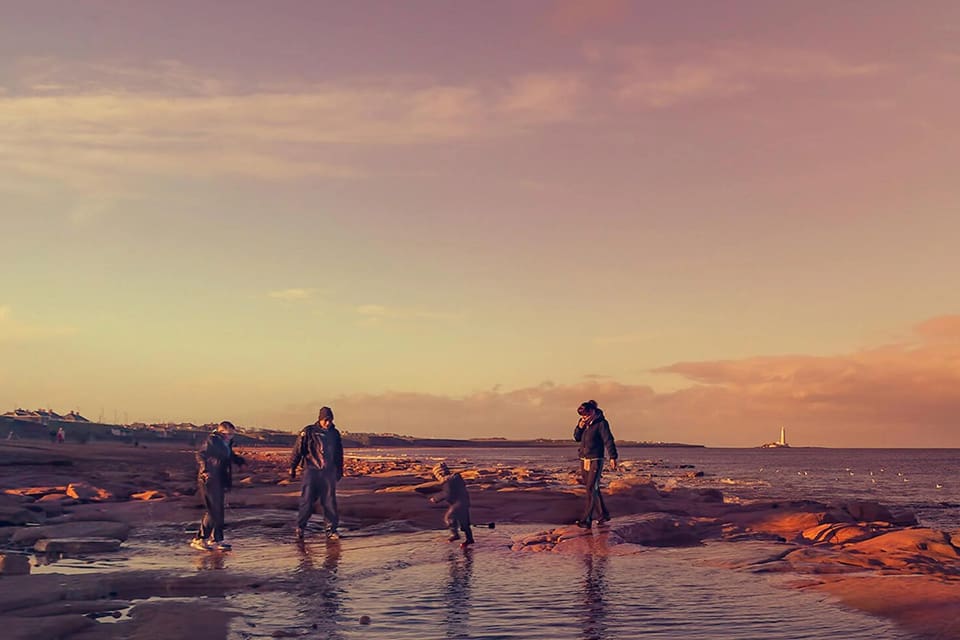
[(897, 395), (13, 330), (292, 295), (568, 17), (902, 394), (103, 131), (660, 77)]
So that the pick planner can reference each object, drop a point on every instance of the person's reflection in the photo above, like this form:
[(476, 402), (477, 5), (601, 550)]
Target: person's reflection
[(594, 610), (212, 561), (457, 594), (320, 595)]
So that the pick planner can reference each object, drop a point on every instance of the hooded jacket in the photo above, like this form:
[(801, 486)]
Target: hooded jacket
[(594, 436), (214, 461), (454, 490), (318, 448)]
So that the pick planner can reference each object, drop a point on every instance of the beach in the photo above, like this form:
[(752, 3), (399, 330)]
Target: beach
[(103, 531)]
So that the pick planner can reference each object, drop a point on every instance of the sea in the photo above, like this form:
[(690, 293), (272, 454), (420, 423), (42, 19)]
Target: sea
[(394, 583), (926, 481)]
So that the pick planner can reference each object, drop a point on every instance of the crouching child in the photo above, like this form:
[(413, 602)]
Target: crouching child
[(453, 490)]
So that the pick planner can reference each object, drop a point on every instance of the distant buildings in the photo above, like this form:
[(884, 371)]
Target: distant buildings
[(43, 416)]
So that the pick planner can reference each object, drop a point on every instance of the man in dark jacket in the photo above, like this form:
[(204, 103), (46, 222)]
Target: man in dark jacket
[(593, 434), (320, 450), (214, 477), (454, 492)]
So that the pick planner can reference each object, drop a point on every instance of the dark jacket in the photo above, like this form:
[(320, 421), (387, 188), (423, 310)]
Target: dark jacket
[(594, 436), (318, 448), (454, 490), (215, 460)]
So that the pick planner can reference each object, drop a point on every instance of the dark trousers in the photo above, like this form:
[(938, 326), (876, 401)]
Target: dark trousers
[(319, 485), (458, 517), (595, 509), (211, 493)]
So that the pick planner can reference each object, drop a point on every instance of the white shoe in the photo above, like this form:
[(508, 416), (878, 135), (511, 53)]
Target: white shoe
[(221, 545), (200, 544)]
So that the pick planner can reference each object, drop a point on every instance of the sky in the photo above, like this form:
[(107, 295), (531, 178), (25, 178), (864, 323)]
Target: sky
[(464, 219)]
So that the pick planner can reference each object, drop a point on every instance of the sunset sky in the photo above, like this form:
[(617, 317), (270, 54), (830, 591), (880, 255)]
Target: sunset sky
[(463, 219)]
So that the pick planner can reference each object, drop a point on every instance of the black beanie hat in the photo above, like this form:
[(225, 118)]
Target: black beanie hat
[(326, 413), (587, 407)]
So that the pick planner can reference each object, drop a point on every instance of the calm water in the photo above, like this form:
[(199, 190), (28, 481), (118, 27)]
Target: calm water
[(415, 586), (926, 480)]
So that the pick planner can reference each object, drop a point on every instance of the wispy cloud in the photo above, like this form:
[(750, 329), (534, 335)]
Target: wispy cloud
[(660, 77), (569, 17), (292, 295), (102, 130)]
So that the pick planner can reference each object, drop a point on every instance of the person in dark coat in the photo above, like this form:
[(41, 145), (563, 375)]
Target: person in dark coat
[(320, 450), (454, 491), (215, 461), (593, 434)]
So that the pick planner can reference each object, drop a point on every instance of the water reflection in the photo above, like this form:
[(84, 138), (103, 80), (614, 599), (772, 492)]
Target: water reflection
[(593, 609), (457, 594), (319, 595), (210, 561)]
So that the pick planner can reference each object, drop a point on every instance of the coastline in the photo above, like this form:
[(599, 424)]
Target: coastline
[(855, 551)]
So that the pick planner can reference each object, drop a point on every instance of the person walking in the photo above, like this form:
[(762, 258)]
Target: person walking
[(215, 461), (320, 450), (594, 435)]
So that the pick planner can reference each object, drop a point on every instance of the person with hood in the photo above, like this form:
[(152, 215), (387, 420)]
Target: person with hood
[(319, 448), (454, 491), (593, 434), (215, 461)]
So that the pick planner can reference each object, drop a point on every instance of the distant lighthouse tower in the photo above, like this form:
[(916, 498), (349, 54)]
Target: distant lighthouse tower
[(783, 437)]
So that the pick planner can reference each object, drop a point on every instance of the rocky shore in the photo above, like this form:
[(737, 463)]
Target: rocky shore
[(93, 501)]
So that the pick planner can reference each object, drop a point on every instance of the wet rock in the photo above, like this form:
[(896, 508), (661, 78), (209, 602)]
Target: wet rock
[(18, 515), (911, 543), (14, 564), (838, 533), (868, 511), (86, 529), (87, 492), (83, 607), (152, 494), (904, 517), (57, 498), (364, 619), (635, 486), (658, 530), (51, 509), (35, 492), (16, 628), (76, 545)]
